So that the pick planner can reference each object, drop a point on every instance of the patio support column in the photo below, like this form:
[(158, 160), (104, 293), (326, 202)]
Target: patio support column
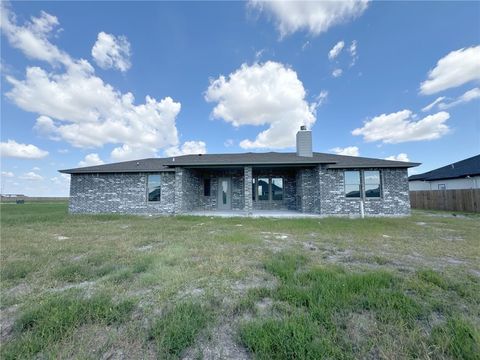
[(247, 189)]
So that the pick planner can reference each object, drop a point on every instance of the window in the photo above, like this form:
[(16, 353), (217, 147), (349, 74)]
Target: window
[(372, 184), (442, 187), (277, 189), (153, 187), (352, 184), (267, 188), (206, 187), (263, 185)]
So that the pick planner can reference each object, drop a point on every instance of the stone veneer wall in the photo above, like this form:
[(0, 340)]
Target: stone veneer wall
[(192, 183), (310, 190), (307, 190), (394, 200), (247, 186), (119, 193), (202, 202)]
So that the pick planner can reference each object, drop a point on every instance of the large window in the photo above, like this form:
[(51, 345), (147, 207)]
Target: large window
[(267, 188), (153, 187), (372, 184), (206, 187), (263, 189), (352, 184), (277, 189)]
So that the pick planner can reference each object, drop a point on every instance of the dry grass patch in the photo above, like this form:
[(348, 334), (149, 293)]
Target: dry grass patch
[(158, 262)]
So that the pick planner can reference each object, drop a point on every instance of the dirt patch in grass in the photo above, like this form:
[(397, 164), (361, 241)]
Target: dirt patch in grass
[(7, 320), (361, 327), (87, 286), (19, 290), (220, 343)]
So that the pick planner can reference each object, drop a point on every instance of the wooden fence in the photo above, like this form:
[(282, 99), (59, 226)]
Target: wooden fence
[(449, 200)]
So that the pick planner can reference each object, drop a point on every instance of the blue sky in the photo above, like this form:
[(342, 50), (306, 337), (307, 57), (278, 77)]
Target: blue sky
[(85, 83)]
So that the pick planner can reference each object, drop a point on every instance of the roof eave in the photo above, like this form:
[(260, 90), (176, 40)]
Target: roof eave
[(354, 166), (438, 178), (79, 171)]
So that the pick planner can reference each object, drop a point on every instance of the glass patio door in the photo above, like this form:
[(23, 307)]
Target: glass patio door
[(224, 194)]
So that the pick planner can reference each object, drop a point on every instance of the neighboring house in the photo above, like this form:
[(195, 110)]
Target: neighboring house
[(463, 174), (305, 182)]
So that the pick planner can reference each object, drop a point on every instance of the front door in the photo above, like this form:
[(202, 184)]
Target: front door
[(224, 194)]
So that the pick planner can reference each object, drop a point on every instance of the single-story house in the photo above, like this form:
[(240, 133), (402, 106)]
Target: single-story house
[(305, 182), (464, 174)]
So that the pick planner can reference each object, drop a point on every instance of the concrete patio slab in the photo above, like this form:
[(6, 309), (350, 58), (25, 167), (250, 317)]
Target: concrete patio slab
[(288, 214)]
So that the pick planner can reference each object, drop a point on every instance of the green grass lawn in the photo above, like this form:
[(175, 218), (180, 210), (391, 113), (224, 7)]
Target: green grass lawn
[(200, 287)]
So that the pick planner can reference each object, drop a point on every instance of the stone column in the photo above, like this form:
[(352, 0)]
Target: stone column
[(247, 189), (306, 190), (178, 190)]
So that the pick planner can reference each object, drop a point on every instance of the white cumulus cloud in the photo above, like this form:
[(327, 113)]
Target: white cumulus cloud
[(91, 160), (443, 102), (32, 37), (337, 72), (456, 68), (62, 180), (321, 98), (401, 127), (22, 151), (31, 176), (263, 94), (228, 143), (466, 97), (432, 104), (353, 52), (189, 147), (315, 17), (77, 106), (8, 174), (399, 157), (112, 51), (349, 150), (353, 48), (336, 50)]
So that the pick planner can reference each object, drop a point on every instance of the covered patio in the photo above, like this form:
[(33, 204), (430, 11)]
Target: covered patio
[(267, 191)]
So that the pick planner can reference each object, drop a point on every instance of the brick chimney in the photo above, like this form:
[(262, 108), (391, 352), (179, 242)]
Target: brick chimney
[(304, 142)]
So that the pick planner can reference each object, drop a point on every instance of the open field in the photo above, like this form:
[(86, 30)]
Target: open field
[(121, 287)]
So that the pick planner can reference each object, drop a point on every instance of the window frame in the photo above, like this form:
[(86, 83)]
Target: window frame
[(345, 184), (205, 182), (268, 189), (255, 186), (380, 190), (362, 185), (271, 188), (159, 188)]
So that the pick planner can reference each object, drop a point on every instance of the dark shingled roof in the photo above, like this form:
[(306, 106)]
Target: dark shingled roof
[(460, 169), (265, 159)]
